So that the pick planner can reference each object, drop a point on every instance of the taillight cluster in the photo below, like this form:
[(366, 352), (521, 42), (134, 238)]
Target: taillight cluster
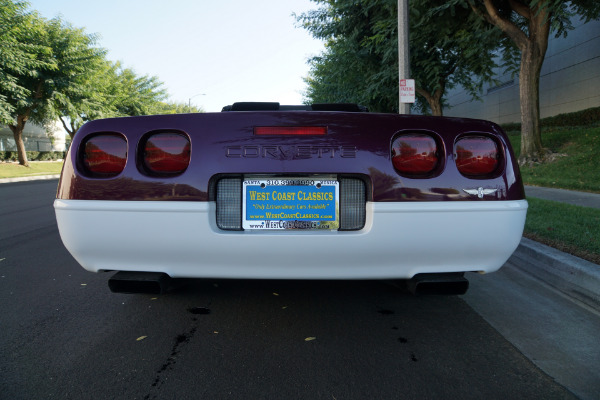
[(420, 155), (415, 154), (166, 153), (159, 153), (476, 156), (104, 155)]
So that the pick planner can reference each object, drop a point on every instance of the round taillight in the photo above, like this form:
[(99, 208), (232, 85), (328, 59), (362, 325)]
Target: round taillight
[(166, 153), (415, 154), (104, 155), (476, 156)]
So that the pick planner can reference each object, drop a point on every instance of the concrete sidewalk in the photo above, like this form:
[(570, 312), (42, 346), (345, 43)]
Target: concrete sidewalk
[(582, 199), (29, 178), (576, 278)]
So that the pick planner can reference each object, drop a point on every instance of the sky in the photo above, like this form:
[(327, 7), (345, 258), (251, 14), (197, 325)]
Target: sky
[(208, 52)]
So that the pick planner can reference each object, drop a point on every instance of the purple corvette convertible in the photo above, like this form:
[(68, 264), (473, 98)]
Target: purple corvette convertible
[(327, 191)]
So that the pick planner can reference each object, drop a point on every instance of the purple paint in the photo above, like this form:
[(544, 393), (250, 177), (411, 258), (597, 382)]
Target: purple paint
[(355, 144)]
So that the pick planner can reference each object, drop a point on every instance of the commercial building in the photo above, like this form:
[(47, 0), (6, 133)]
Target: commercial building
[(36, 138), (569, 81)]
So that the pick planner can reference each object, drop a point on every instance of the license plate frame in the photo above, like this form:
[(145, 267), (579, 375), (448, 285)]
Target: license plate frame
[(291, 203)]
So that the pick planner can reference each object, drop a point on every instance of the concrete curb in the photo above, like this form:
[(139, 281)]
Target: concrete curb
[(29, 178), (573, 276)]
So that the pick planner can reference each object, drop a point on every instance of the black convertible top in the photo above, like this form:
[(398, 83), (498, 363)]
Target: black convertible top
[(273, 106)]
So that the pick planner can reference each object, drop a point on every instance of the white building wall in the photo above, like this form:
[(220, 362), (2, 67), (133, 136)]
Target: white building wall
[(569, 81), (36, 138)]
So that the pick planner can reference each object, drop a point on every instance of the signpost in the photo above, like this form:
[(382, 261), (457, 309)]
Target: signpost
[(403, 55), (407, 90)]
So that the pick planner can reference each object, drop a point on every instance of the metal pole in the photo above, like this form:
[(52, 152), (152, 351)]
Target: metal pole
[(403, 53), (190, 100)]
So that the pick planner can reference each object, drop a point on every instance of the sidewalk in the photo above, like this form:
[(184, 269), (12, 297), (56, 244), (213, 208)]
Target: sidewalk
[(576, 278), (29, 178), (564, 196)]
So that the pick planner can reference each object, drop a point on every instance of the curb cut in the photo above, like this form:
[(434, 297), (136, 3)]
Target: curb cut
[(29, 178), (573, 276)]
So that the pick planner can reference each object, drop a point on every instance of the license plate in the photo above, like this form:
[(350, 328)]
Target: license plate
[(291, 203)]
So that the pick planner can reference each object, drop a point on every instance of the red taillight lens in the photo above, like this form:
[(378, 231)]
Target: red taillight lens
[(415, 154), (167, 153), (105, 155), (476, 155), (290, 130)]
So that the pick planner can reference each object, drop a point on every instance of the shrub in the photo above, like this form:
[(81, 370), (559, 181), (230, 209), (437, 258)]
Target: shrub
[(579, 118), (11, 156)]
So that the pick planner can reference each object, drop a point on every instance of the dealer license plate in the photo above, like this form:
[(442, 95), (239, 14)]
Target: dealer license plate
[(291, 203)]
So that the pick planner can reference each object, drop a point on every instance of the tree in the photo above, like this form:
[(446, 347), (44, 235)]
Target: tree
[(109, 90), (22, 54), (51, 56), (528, 23), (360, 63), (137, 95), (91, 98), (176, 108)]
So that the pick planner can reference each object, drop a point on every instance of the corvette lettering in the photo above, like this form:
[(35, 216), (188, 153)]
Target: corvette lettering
[(279, 152)]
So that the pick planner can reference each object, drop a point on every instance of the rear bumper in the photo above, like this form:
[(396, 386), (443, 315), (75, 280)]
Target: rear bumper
[(399, 240)]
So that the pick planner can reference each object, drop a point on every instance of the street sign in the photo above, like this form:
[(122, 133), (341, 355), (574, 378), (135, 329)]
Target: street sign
[(407, 90)]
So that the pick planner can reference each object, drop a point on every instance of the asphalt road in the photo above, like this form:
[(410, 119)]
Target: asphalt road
[(63, 335)]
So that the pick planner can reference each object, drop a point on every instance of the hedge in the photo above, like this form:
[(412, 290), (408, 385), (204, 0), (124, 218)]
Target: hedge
[(33, 155), (579, 118)]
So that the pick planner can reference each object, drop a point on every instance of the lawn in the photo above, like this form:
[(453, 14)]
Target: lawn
[(14, 170), (572, 229), (576, 167)]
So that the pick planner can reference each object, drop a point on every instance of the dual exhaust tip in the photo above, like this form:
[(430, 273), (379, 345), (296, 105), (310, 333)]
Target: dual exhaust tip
[(158, 283), (139, 282), (450, 284)]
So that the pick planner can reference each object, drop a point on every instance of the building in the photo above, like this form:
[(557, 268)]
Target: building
[(569, 81), (36, 138)]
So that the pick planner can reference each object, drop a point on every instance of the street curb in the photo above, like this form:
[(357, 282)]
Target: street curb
[(573, 276), (29, 178)]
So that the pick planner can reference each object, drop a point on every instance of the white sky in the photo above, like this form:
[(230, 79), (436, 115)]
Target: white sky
[(230, 50)]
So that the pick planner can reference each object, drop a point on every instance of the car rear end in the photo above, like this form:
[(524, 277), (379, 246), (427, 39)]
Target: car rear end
[(291, 195)]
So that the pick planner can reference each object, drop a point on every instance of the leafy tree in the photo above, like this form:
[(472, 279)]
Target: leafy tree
[(360, 63), (45, 60), (23, 54), (176, 108), (528, 23), (138, 95), (51, 70), (109, 90), (89, 99)]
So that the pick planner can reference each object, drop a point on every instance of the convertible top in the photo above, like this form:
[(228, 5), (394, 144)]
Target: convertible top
[(273, 106)]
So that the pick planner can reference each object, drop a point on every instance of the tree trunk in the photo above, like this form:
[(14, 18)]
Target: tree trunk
[(434, 100), (532, 58), (529, 94), (17, 131), (71, 130), (533, 43), (436, 107)]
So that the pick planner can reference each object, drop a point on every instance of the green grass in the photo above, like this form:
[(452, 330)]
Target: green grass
[(569, 228), (14, 170), (578, 169), (572, 229)]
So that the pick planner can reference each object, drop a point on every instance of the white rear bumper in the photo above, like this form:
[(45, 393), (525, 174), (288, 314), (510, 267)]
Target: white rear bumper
[(398, 241)]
